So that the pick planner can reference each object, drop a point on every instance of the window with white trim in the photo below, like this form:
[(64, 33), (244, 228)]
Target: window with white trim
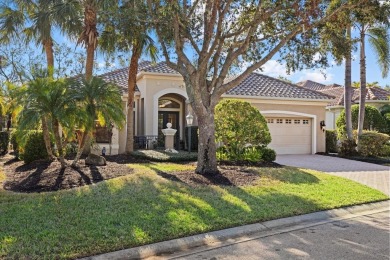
[(297, 121), (288, 121), (305, 121), (279, 121), (270, 120)]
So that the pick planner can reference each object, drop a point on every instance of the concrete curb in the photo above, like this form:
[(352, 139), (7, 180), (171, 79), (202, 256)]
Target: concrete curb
[(283, 225)]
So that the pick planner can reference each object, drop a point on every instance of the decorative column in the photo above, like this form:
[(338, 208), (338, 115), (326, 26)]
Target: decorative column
[(169, 134)]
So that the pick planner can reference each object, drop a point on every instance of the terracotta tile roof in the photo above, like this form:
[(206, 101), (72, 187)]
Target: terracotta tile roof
[(160, 67), (311, 85), (120, 76), (337, 91), (264, 86)]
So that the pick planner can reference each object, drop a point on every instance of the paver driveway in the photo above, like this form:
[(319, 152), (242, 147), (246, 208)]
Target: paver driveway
[(373, 175)]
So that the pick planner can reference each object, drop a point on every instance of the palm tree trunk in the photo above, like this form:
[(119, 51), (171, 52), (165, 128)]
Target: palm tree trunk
[(48, 46), (89, 61), (348, 90), (57, 136), (131, 83), (46, 137), (83, 141), (90, 37), (362, 100)]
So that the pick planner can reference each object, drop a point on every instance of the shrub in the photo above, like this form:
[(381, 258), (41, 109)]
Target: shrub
[(161, 156), (14, 143), (194, 137), (268, 154), (373, 120), (34, 148), (372, 143), (347, 148), (331, 141), (4, 140), (385, 150), (237, 124)]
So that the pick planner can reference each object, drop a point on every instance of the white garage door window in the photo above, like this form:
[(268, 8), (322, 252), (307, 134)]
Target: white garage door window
[(290, 135)]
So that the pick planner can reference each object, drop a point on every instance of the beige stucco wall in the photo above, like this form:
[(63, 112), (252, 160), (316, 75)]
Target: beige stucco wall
[(313, 109), (152, 87)]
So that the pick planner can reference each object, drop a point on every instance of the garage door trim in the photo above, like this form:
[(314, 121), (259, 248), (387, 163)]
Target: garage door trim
[(313, 129)]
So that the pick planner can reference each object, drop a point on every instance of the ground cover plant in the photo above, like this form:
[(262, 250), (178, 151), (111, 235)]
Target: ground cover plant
[(157, 202)]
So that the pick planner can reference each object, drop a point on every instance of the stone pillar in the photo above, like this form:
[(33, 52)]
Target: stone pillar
[(169, 138)]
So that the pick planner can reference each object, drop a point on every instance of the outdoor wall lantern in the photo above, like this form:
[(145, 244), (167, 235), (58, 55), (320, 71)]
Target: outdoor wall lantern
[(322, 125), (189, 119)]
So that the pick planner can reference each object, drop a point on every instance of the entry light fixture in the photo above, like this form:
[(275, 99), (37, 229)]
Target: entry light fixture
[(322, 125)]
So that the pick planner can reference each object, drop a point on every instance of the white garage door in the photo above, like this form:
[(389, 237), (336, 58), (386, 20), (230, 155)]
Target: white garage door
[(290, 135)]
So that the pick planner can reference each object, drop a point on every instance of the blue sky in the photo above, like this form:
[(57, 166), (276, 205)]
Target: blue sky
[(334, 74)]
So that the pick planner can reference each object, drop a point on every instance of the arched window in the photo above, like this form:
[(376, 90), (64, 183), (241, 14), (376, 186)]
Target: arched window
[(167, 103)]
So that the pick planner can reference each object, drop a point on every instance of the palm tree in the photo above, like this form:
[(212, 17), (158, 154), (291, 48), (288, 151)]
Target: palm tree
[(336, 37), (129, 31), (45, 97), (372, 21), (34, 20), (96, 100)]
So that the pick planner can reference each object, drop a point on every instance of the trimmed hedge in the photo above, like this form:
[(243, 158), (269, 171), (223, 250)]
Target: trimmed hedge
[(269, 155), (373, 120), (372, 143), (331, 141), (14, 142), (34, 148), (347, 148), (161, 156), (4, 141)]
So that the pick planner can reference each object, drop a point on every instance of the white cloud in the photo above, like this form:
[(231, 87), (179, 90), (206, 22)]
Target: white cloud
[(274, 69), (316, 75)]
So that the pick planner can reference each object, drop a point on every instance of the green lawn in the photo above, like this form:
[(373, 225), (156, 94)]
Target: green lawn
[(144, 208)]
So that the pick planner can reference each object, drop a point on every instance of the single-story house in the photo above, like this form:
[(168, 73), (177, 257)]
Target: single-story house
[(294, 114), (375, 96)]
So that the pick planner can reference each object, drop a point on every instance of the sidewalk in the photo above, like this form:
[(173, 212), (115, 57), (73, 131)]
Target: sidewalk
[(245, 233)]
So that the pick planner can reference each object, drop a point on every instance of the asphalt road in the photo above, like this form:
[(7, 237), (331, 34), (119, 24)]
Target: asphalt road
[(362, 237)]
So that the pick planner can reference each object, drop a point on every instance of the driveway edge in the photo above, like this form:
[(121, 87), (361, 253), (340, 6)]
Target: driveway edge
[(295, 222)]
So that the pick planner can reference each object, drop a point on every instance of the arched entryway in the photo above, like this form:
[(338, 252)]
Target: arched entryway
[(171, 110)]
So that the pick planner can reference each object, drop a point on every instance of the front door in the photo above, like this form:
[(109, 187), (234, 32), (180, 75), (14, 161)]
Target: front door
[(165, 117)]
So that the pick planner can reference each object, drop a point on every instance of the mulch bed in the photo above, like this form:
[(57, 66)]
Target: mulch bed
[(227, 176), (42, 176)]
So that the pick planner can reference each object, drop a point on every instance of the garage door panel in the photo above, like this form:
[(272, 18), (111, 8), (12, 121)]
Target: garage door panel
[(290, 135)]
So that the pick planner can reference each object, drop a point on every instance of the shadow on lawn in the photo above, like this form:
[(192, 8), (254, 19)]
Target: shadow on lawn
[(143, 209)]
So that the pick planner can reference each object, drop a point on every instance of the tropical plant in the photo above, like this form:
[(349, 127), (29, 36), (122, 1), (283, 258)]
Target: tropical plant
[(336, 37), (35, 20), (51, 99), (127, 31), (372, 20), (96, 100)]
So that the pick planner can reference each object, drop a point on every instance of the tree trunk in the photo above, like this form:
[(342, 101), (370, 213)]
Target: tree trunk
[(57, 136), (83, 141), (348, 90), (90, 37), (362, 100), (46, 137), (207, 157), (131, 83), (89, 61), (48, 46)]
